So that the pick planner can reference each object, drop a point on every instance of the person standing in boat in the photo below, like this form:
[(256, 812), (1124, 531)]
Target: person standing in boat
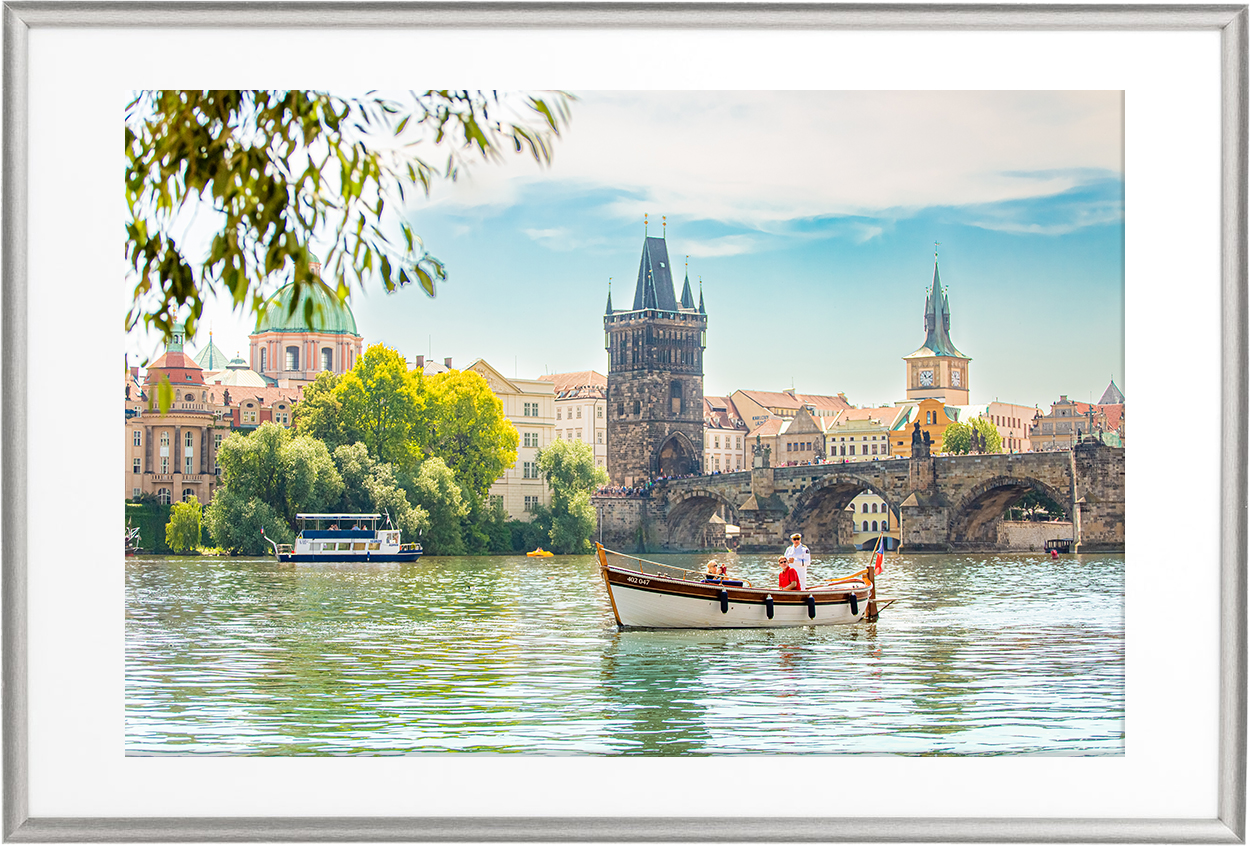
[(799, 558)]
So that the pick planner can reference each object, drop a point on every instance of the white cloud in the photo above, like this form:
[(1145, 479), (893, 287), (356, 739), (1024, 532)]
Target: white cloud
[(760, 159)]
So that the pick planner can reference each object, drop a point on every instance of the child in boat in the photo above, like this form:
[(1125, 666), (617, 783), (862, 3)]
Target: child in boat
[(789, 579)]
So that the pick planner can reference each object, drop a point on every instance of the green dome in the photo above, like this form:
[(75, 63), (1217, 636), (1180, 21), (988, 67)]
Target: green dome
[(329, 314)]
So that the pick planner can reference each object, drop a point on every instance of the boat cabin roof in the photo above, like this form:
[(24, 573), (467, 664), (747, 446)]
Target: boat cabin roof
[(338, 516)]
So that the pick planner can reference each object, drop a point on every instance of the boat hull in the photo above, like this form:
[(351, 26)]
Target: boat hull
[(656, 602), (332, 558)]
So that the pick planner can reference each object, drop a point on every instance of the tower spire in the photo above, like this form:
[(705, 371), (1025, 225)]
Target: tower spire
[(609, 309)]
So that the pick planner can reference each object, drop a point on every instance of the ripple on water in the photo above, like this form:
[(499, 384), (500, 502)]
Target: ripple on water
[(987, 655)]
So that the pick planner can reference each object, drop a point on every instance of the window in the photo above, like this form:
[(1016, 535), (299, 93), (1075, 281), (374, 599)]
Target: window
[(217, 441), (874, 449), (718, 463), (531, 503), (559, 434), (885, 524), (637, 407), (620, 409), (579, 434), (164, 496), (529, 439), (558, 412), (844, 450), (865, 525), (292, 358), (138, 438), (531, 410), (675, 399), (874, 508), (188, 441), (865, 508), (738, 442), (579, 412), (874, 525), (599, 436), (188, 494), (164, 463), (599, 411), (852, 449), (529, 470), (190, 467), (134, 493), (262, 360), (716, 441), (164, 439), (327, 358), (138, 466)]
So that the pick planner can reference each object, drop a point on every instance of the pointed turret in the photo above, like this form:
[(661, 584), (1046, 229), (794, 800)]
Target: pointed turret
[(701, 309), (609, 308), (655, 279), (937, 319), (687, 298)]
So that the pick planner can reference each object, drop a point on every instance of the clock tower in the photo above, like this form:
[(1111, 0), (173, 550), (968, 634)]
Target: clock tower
[(937, 369)]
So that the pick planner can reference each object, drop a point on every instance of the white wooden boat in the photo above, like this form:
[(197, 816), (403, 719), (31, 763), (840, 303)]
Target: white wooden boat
[(647, 594), (345, 537)]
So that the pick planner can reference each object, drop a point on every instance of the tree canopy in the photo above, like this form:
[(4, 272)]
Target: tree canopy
[(570, 471), (182, 532), (957, 437), (282, 170), (381, 405), (468, 430)]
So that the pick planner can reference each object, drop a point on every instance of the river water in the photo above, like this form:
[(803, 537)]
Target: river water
[(980, 655)]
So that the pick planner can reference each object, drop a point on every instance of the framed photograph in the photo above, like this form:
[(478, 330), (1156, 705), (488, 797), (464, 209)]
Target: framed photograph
[(1178, 772)]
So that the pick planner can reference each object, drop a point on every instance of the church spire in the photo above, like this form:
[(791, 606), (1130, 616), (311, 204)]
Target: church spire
[(701, 309), (937, 317), (609, 309)]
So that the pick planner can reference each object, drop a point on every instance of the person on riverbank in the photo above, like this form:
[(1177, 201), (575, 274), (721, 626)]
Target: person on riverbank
[(799, 558), (788, 579)]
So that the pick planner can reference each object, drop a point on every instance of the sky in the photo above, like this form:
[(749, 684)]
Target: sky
[(811, 220)]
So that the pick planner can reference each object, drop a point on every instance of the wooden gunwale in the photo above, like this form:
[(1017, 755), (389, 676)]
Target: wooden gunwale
[(827, 595)]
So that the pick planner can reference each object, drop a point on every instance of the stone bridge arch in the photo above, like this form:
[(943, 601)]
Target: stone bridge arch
[(974, 518), (688, 514), (820, 510)]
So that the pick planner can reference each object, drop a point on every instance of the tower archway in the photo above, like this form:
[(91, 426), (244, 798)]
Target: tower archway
[(675, 456)]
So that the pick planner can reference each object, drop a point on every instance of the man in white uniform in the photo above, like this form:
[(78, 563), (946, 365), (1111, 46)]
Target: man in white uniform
[(799, 558)]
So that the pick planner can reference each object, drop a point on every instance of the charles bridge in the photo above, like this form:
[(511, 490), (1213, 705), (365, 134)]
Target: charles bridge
[(940, 503)]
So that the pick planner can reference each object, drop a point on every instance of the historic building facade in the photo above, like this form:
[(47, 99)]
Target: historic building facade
[(530, 406), (290, 351), (581, 409), (724, 437), (937, 370), (655, 376), (172, 456)]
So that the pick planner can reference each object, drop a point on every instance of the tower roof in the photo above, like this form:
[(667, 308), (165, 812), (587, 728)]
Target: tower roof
[(1112, 395), (655, 279), (687, 298), (211, 358), (937, 322)]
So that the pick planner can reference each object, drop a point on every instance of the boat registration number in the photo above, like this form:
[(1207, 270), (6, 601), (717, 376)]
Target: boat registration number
[(634, 580)]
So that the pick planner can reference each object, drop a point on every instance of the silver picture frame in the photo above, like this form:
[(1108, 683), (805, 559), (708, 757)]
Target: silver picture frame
[(1230, 21)]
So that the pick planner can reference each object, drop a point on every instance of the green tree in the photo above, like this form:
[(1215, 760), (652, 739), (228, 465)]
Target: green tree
[(319, 413), (957, 438), (239, 524), (467, 429), (381, 405), (570, 471), (286, 472), (277, 170), (372, 488), (182, 532), (439, 495)]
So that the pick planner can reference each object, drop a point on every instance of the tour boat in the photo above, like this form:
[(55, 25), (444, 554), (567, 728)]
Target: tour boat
[(647, 594), (345, 537), (540, 553)]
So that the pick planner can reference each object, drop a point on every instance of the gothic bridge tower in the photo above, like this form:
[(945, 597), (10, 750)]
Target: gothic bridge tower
[(655, 376)]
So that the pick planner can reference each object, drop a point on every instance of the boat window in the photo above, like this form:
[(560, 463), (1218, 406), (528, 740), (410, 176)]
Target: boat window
[(359, 547), (344, 545), (313, 547), (375, 544)]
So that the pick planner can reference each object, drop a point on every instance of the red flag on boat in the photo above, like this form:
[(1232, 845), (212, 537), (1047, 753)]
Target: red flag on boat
[(879, 555)]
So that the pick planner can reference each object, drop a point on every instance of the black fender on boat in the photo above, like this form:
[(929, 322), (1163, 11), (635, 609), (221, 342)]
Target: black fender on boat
[(811, 606), (854, 604), (768, 606), (724, 601)]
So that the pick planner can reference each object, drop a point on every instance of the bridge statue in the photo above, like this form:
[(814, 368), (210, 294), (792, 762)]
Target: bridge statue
[(761, 453), (920, 443)]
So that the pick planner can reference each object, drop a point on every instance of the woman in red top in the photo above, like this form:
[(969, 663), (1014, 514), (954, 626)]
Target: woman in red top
[(789, 578)]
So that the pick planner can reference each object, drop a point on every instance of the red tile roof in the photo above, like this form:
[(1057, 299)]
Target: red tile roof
[(720, 413), (578, 379), (788, 399)]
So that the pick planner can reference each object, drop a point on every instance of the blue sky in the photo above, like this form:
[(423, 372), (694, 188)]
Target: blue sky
[(811, 218)]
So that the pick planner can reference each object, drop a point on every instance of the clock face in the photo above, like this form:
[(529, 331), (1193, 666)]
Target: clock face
[(926, 378), (955, 378)]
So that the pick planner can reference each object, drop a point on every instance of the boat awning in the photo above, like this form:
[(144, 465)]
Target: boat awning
[(338, 516)]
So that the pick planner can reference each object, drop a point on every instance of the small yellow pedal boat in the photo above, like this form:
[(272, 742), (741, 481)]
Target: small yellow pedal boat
[(540, 553)]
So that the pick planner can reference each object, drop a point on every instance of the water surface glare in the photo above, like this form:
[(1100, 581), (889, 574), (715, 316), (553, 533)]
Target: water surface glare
[(981, 654)]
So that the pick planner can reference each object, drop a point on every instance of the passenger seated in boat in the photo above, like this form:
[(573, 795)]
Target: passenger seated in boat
[(789, 579), (715, 570)]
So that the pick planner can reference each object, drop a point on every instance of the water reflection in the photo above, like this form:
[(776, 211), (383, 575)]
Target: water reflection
[(980, 655)]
